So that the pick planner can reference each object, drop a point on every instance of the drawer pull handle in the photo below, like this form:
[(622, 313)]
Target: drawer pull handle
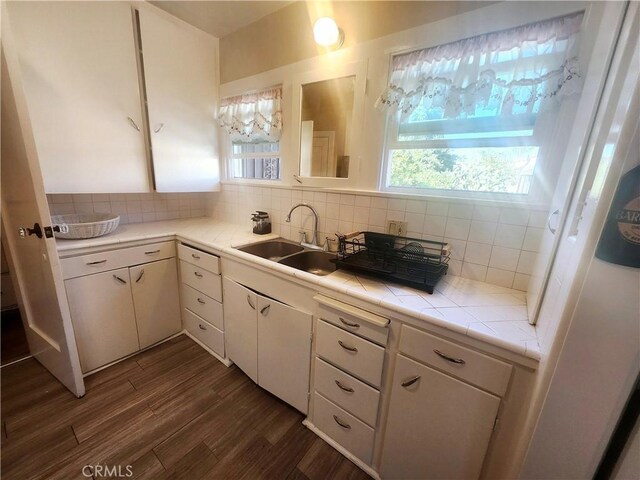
[(201, 301), (197, 257), (140, 276), (97, 263), (201, 327), (346, 426), (124, 282), (197, 274), (342, 387), (249, 302), (152, 252), (349, 324), (411, 381), (347, 347), (265, 310), (458, 361)]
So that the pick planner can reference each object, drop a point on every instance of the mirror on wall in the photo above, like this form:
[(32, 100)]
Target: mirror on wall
[(326, 126)]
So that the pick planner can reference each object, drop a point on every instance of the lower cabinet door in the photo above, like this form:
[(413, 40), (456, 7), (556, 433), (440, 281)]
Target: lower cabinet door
[(103, 317), (438, 427), (284, 351), (241, 332), (155, 298)]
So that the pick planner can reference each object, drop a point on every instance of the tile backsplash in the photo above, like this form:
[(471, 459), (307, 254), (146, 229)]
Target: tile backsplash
[(135, 207), (498, 245)]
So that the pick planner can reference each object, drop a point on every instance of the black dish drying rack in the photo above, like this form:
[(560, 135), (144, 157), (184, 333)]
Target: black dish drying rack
[(409, 261)]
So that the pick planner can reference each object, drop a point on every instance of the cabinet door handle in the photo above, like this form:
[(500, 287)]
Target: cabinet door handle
[(201, 327), (124, 282), (411, 381), (347, 347), (158, 128), (152, 252), (140, 276), (349, 324), (249, 302), (133, 123), (265, 310), (97, 263), (197, 274), (342, 387), (553, 214), (197, 257), (458, 361), (201, 301), (346, 426)]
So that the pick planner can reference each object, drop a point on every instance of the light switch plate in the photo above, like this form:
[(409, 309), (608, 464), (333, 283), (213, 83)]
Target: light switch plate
[(396, 227)]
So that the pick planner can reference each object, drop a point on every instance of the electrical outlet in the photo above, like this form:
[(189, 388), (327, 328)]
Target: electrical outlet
[(396, 227)]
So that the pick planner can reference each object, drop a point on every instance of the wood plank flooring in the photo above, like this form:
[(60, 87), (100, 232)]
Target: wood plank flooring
[(172, 412)]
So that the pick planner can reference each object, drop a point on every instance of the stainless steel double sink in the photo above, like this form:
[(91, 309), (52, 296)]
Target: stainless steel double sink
[(293, 255)]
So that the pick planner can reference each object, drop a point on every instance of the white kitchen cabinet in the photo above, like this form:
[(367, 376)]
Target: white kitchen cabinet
[(181, 85), (284, 351), (130, 303), (241, 326), (269, 341), (155, 299), (80, 77), (437, 426), (103, 317)]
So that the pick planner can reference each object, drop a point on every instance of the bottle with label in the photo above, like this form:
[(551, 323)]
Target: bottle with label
[(620, 239)]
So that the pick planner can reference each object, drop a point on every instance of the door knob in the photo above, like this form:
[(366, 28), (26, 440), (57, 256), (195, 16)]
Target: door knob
[(25, 232)]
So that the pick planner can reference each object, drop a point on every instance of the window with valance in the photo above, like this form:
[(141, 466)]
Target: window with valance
[(464, 114), (253, 122)]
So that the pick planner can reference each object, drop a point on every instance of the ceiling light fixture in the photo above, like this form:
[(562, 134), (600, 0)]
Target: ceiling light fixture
[(327, 33)]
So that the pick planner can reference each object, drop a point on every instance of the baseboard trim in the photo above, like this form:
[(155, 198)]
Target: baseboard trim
[(225, 361)]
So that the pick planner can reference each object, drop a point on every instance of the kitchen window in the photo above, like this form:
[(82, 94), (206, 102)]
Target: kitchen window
[(472, 118), (253, 122)]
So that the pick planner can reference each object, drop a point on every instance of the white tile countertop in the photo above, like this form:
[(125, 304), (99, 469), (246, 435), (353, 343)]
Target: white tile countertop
[(490, 313)]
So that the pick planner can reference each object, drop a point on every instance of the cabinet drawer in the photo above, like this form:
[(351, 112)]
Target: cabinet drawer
[(353, 395), (474, 367), (358, 321), (201, 259), (203, 306), (204, 331), (112, 259), (351, 353), (344, 428), (202, 280)]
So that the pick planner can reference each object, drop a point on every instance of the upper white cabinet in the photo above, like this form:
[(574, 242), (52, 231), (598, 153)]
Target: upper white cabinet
[(180, 69), (85, 81), (81, 82)]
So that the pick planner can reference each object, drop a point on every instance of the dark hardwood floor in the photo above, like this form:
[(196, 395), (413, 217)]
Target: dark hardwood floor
[(171, 412), (14, 344)]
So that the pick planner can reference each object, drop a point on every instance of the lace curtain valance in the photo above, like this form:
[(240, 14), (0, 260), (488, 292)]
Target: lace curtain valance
[(252, 118), (520, 70)]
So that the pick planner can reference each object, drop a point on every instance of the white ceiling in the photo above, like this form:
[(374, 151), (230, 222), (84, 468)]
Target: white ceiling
[(220, 18)]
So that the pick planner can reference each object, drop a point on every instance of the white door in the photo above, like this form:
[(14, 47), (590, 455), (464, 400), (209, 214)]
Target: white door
[(284, 352), (241, 331), (34, 261), (180, 69), (603, 20), (80, 77), (155, 300), (438, 427), (103, 317), (323, 159)]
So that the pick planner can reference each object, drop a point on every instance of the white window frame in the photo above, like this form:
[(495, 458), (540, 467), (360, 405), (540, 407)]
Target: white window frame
[(545, 136), (232, 156)]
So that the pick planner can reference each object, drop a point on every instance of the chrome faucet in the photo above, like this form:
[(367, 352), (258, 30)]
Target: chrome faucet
[(314, 240)]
